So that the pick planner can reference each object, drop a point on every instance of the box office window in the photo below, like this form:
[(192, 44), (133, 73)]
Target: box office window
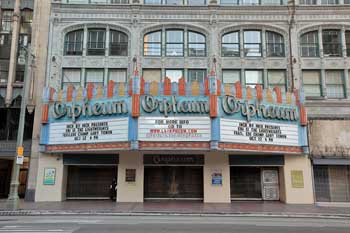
[(94, 76), (335, 84), (152, 75), (71, 77), (312, 83), (231, 76), (277, 78), (117, 75)]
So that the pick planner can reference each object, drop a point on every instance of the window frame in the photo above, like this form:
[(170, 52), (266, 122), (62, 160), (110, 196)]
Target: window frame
[(98, 51), (196, 70), (316, 45), (325, 44), (166, 43), (196, 43), (260, 43), (347, 41), (281, 45), (158, 43), (235, 70), (70, 83), (77, 52), (148, 69), (182, 70), (238, 44), (332, 84), (122, 45), (251, 84), (90, 69), (285, 79), (117, 69), (320, 86)]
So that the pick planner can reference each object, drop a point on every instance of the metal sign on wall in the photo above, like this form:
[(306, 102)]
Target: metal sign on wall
[(89, 131), (174, 129), (258, 132)]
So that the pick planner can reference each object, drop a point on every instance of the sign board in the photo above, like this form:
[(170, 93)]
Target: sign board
[(130, 175), (20, 150), (258, 132), (216, 178), (93, 131), (172, 129), (175, 159), (297, 179), (19, 160), (49, 176)]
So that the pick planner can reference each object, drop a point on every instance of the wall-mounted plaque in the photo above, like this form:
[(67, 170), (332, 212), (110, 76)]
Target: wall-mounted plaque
[(297, 179), (130, 175)]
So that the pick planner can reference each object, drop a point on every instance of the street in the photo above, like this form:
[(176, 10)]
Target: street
[(171, 224)]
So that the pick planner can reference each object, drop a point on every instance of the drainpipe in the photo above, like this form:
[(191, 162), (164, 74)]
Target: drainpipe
[(13, 53), (291, 22)]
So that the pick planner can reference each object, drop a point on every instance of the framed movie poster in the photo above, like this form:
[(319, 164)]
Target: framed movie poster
[(49, 176)]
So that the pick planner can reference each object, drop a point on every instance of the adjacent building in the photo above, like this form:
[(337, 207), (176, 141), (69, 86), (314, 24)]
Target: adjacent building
[(15, 33), (193, 100)]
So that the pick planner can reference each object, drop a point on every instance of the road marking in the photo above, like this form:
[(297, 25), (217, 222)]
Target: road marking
[(36, 229)]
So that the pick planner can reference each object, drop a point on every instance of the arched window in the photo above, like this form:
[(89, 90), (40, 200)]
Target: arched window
[(174, 43), (274, 44), (230, 45), (252, 43), (152, 44), (73, 44), (196, 44), (309, 44), (118, 43), (96, 41)]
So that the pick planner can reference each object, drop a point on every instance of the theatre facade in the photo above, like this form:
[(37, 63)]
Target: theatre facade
[(207, 141)]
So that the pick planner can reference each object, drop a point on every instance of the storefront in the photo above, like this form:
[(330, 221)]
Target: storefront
[(174, 141)]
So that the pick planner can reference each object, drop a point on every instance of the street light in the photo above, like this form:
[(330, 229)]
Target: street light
[(25, 58)]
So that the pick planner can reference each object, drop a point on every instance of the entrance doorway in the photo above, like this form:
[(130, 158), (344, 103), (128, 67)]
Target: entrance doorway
[(90, 182), (173, 182), (254, 183)]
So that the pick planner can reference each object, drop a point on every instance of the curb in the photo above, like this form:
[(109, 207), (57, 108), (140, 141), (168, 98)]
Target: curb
[(165, 213)]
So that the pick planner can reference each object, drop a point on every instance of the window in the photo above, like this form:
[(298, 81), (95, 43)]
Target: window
[(6, 21), (196, 75), (26, 21), (309, 44), (329, 2), (274, 44), (19, 78), (71, 77), (73, 44), (276, 78), (174, 43), (151, 75), (231, 76), (229, 2), (312, 83), (196, 2), (346, 1), (335, 84), (118, 43), (347, 39), (230, 45), (331, 43), (117, 75), (252, 43), (96, 42), (249, 2), (173, 2), (152, 44), (272, 2), (94, 76), (308, 2), (253, 77), (154, 2), (3, 76), (174, 75), (196, 44)]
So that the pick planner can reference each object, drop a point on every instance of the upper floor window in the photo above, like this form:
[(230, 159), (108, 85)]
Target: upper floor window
[(174, 43), (6, 20), (331, 43), (253, 77), (94, 76), (335, 84), (152, 44), (196, 2), (231, 76), (230, 45), (308, 2), (347, 39), (309, 44), (118, 43), (196, 75), (346, 1), (252, 43), (249, 2), (253, 2), (164, 2), (312, 83), (117, 75), (174, 75), (274, 44), (26, 21), (330, 2), (152, 75), (73, 44), (276, 78), (71, 76), (96, 42), (196, 44)]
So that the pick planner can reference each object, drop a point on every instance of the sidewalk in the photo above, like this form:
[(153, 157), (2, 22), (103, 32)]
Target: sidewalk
[(104, 207)]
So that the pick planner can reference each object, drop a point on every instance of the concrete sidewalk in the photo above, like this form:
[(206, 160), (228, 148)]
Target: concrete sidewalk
[(104, 207)]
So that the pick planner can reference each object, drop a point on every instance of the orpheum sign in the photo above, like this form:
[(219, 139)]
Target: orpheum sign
[(174, 129)]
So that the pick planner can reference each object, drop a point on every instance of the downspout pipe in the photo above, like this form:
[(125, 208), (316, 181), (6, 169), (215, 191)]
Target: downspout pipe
[(13, 53), (291, 22)]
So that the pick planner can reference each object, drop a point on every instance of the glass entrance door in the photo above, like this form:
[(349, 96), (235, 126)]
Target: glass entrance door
[(245, 183), (173, 182)]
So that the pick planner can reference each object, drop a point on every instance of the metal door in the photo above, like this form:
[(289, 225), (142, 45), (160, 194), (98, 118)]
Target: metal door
[(270, 186)]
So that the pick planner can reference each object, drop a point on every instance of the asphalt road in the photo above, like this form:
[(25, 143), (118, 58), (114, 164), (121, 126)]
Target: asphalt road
[(170, 224)]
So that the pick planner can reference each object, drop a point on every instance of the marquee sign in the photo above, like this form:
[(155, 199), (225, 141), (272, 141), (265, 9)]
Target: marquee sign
[(93, 131), (258, 132), (174, 129)]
